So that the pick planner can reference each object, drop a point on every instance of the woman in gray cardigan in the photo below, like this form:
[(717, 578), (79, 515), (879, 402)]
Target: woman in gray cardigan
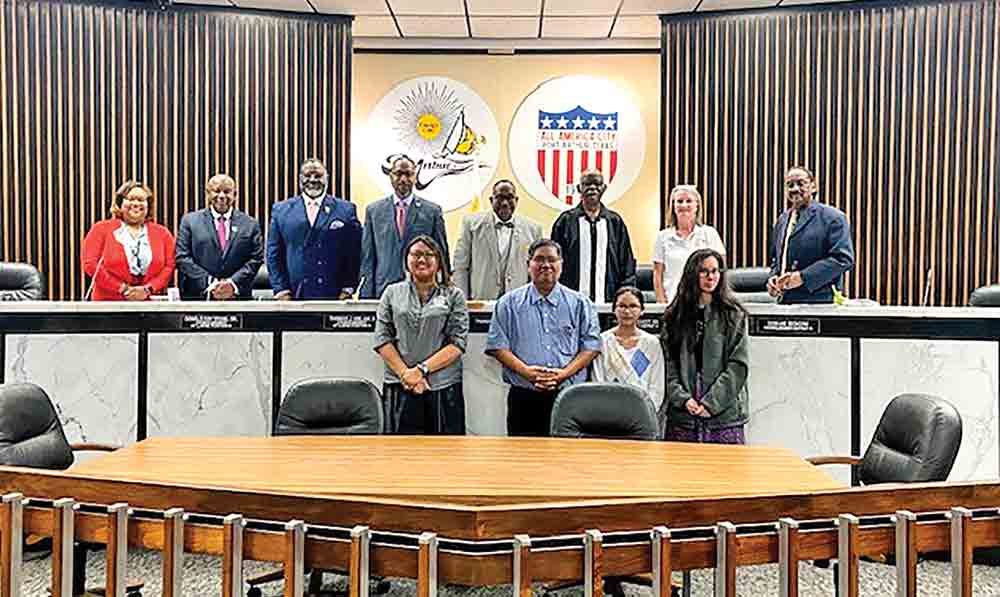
[(705, 342)]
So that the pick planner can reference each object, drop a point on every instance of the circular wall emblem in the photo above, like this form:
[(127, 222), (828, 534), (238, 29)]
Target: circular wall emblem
[(448, 131), (572, 124)]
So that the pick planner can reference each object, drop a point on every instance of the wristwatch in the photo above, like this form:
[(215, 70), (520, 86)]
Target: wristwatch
[(423, 368)]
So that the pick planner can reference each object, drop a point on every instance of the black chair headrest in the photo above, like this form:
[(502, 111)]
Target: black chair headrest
[(748, 279), (30, 431), (262, 280), (331, 406), (604, 410), (21, 282), (916, 441), (986, 296), (644, 277)]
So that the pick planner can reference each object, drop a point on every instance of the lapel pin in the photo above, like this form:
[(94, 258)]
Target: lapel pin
[(234, 228), (326, 208)]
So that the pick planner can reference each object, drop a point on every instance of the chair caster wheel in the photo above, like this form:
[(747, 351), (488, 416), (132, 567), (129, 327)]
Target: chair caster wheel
[(382, 587), (254, 592)]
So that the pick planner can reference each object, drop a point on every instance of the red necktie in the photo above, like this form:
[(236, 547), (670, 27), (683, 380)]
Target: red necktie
[(220, 227), (400, 218)]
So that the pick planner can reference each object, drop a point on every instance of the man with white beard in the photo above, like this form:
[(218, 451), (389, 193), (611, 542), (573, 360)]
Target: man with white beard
[(314, 244)]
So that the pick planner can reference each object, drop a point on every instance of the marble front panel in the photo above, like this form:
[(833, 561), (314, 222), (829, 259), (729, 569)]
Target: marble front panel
[(485, 393), (800, 396), (962, 372), (322, 354), (209, 384), (91, 379)]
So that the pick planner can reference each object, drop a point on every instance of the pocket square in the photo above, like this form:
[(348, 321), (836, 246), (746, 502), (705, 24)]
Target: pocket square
[(336, 224)]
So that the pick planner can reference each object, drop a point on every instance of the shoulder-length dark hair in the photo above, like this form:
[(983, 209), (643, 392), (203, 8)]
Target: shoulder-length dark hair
[(444, 276), (680, 319)]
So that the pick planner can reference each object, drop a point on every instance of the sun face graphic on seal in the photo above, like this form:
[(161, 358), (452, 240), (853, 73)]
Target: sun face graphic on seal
[(423, 114)]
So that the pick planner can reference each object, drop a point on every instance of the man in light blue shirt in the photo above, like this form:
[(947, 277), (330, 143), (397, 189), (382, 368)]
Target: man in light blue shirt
[(545, 335)]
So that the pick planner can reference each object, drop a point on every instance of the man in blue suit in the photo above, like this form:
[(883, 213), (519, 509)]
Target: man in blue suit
[(219, 248), (811, 245), (390, 223), (313, 247)]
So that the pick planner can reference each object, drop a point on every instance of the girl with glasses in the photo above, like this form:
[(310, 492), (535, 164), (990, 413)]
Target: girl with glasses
[(705, 341)]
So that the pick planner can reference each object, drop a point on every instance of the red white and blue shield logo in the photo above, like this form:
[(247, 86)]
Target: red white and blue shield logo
[(569, 143)]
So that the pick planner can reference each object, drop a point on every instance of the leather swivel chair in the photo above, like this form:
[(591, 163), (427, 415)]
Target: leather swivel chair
[(644, 282), (750, 284), (31, 435), (916, 441), (603, 410), (261, 289), (985, 296), (326, 406), (21, 282)]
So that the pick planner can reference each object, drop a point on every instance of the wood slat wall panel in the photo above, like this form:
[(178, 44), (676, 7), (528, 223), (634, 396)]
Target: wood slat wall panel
[(894, 107), (94, 94)]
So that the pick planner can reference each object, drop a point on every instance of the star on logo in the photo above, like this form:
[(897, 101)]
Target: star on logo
[(562, 122), (578, 123), (594, 122), (609, 123), (546, 123)]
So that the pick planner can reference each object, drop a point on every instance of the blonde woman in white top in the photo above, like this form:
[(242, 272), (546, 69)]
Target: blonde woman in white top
[(683, 235), (630, 355)]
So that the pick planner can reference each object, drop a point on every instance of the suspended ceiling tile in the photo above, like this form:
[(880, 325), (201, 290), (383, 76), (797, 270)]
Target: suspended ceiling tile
[(373, 26), (574, 8), (428, 7), (351, 7), (594, 27), (504, 27), (657, 7), (433, 26), (289, 5), (507, 8), (636, 26)]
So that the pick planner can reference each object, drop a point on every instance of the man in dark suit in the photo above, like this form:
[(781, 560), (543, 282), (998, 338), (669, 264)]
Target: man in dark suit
[(219, 248), (390, 223), (811, 245), (313, 247)]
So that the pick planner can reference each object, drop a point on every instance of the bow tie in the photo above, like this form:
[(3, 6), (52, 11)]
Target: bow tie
[(505, 225)]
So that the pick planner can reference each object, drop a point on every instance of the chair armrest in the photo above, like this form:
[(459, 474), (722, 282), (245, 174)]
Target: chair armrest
[(93, 447), (821, 460)]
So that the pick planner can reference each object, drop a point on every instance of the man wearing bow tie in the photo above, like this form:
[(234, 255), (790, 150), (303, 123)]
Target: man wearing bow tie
[(491, 256), (219, 248), (314, 244)]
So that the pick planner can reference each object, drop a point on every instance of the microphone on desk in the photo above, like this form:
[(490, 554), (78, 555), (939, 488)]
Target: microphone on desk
[(927, 287), (93, 279)]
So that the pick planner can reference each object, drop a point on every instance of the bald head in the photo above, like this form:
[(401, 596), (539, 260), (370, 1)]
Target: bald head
[(221, 192)]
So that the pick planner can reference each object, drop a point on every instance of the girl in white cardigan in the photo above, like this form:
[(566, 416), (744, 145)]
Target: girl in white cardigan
[(628, 354)]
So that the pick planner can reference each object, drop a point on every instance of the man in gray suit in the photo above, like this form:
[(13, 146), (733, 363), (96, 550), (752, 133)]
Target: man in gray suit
[(390, 223), (491, 256), (219, 248)]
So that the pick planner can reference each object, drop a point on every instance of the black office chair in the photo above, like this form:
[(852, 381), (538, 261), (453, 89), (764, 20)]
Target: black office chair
[(750, 284), (644, 282), (31, 435), (916, 441), (603, 410), (606, 411), (985, 296), (21, 282), (327, 406)]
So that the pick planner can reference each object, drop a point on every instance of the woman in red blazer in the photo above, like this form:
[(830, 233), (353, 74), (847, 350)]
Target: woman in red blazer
[(129, 256)]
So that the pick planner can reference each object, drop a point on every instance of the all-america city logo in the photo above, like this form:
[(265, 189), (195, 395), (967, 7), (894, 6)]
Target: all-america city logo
[(570, 125)]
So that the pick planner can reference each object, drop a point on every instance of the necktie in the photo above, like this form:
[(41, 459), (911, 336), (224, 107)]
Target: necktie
[(220, 227), (792, 219), (400, 218), (312, 209)]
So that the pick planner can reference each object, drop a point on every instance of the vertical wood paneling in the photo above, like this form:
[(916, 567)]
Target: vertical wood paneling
[(94, 94), (894, 107)]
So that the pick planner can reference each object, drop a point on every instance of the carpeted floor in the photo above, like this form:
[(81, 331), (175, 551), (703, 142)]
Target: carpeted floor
[(202, 578)]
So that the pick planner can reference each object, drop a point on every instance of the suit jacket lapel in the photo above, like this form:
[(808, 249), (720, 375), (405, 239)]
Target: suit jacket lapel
[(234, 231), (805, 217), (411, 215), (324, 216)]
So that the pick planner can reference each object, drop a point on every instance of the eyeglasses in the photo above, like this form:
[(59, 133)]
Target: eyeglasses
[(630, 307), (705, 272), (550, 260), (423, 255)]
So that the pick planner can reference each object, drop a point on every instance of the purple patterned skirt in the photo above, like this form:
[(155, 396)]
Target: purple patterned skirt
[(701, 433)]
